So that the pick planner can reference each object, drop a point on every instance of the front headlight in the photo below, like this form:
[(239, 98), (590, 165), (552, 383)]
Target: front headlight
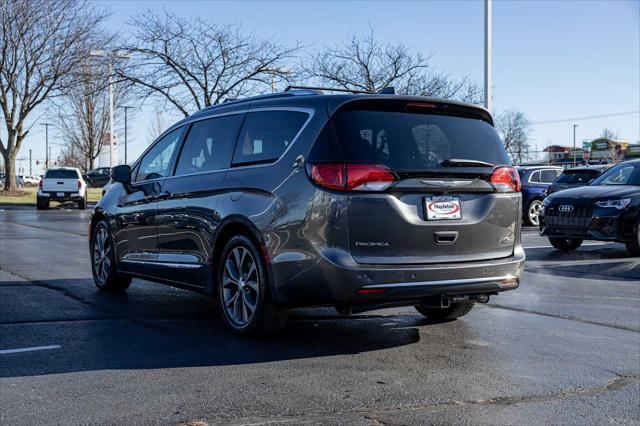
[(546, 201), (618, 204)]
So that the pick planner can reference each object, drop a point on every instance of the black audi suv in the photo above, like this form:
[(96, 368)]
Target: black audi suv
[(608, 209), (302, 198)]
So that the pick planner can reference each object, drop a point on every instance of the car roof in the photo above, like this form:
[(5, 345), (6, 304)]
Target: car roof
[(595, 168), (320, 101), (527, 168)]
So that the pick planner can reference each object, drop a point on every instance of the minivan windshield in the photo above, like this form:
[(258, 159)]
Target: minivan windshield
[(622, 174), (405, 141)]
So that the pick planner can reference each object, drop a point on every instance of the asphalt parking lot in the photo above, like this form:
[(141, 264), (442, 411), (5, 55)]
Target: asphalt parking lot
[(563, 348)]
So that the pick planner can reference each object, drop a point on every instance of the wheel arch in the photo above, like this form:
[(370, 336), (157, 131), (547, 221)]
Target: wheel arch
[(231, 226)]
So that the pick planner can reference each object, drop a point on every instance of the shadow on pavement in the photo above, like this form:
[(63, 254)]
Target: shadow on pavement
[(146, 329), (613, 262)]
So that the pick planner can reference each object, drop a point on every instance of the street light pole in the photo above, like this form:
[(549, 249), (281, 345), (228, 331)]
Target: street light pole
[(46, 145), (110, 82), (125, 132), (574, 144), (110, 56), (488, 40)]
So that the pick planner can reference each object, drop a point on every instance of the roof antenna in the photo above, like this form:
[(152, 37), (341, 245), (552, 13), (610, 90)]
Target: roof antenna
[(388, 91)]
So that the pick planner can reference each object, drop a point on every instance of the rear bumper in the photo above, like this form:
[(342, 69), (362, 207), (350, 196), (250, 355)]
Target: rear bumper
[(68, 196), (328, 283)]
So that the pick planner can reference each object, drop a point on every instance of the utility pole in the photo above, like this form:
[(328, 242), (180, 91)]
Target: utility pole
[(488, 40), (46, 146), (574, 144), (30, 164), (125, 132)]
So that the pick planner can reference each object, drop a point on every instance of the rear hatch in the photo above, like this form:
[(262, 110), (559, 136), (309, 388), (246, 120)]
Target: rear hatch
[(61, 180), (426, 183)]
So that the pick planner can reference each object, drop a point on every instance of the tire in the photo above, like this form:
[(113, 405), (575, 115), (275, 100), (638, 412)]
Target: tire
[(532, 217), (104, 270), (243, 298), (565, 244), (455, 310), (82, 204), (42, 203), (634, 246)]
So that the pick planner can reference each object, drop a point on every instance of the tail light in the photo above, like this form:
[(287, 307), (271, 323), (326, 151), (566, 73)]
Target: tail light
[(352, 177), (505, 179), (40, 184), (79, 184)]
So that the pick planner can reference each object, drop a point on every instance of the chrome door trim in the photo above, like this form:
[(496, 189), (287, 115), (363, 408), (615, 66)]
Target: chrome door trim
[(164, 264)]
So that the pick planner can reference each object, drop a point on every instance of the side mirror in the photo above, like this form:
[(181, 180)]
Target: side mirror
[(121, 174)]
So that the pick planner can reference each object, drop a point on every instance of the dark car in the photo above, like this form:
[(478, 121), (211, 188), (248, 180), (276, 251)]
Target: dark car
[(300, 198), (608, 209), (97, 178), (535, 182), (578, 176)]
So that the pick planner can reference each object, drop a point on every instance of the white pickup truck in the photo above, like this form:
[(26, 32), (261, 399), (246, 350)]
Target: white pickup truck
[(62, 184)]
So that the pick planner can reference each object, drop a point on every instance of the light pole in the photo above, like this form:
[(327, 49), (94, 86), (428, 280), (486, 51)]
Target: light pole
[(125, 132), (110, 56), (273, 71), (488, 40), (574, 144), (46, 145)]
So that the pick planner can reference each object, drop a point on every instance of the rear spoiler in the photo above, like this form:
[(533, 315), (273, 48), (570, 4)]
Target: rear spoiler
[(416, 104)]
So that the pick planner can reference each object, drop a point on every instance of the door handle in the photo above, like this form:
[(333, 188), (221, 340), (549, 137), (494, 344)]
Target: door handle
[(157, 197), (445, 237), (161, 196)]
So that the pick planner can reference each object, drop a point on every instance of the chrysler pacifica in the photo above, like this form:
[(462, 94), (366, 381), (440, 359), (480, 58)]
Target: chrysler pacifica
[(302, 198)]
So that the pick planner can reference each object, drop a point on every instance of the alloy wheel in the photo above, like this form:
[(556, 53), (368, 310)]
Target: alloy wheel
[(101, 255), (240, 286), (534, 212)]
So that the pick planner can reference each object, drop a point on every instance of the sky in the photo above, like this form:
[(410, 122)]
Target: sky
[(553, 60)]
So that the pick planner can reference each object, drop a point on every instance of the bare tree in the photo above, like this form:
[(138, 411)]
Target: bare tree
[(608, 133), (84, 112), (514, 128), (40, 42), (70, 157), (364, 63), (192, 63), (157, 125)]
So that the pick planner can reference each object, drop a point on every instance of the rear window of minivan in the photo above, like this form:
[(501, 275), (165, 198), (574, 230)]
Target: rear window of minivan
[(407, 141), (61, 174)]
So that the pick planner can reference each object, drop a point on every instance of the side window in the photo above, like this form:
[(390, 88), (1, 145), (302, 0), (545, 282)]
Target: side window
[(535, 177), (266, 135), (548, 176), (209, 145), (155, 163)]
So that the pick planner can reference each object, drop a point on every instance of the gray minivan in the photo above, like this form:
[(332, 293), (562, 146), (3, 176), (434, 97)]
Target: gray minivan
[(301, 198)]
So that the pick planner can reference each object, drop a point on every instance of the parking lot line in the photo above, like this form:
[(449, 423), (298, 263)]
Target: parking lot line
[(33, 348)]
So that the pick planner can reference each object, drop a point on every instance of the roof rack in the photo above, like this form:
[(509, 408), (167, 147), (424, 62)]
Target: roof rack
[(385, 91), (325, 89), (286, 93)]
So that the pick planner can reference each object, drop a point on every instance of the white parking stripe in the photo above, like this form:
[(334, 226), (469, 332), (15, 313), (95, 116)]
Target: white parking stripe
[(33, 348), (582, 245)]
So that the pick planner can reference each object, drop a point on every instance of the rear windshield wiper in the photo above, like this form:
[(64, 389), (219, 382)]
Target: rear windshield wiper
[(460, 162)]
